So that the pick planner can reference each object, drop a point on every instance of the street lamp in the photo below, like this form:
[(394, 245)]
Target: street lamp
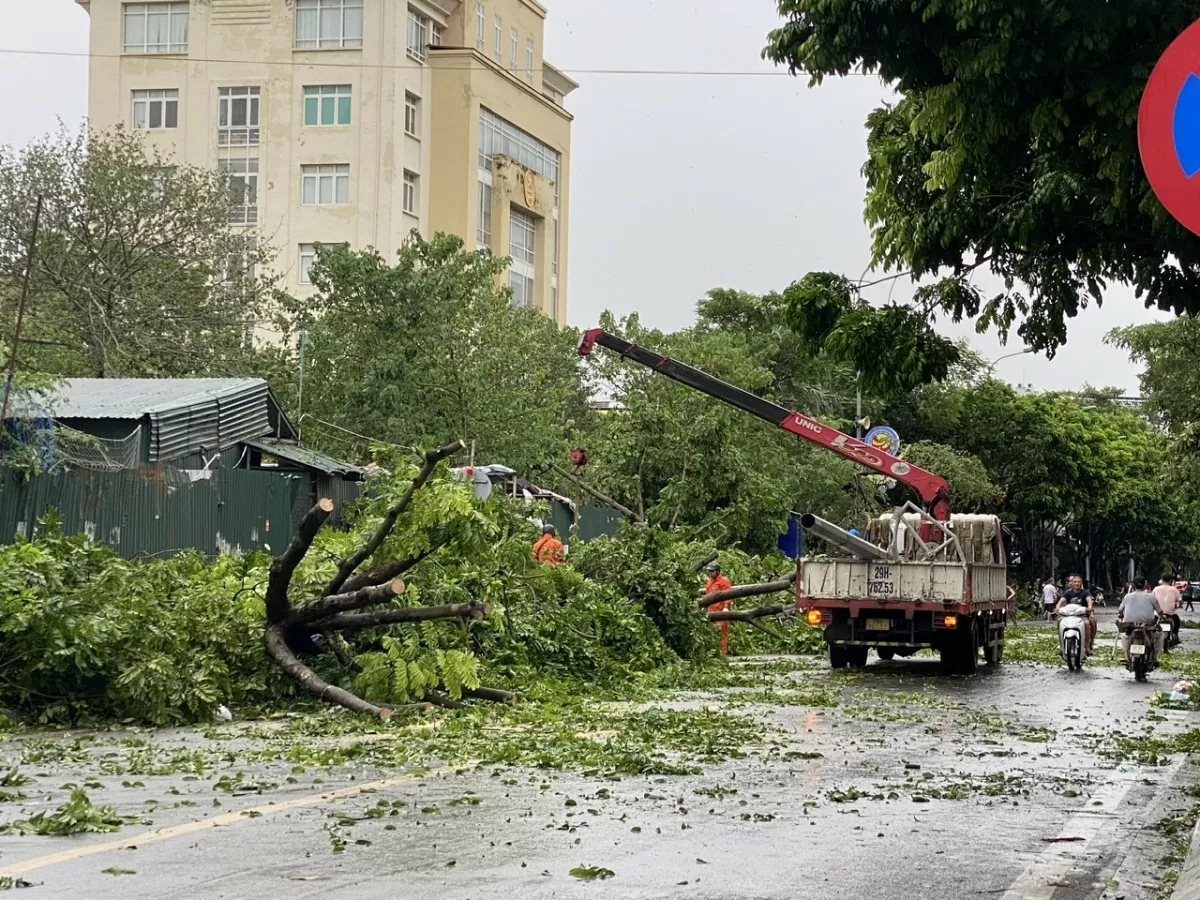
[(1000, 359)]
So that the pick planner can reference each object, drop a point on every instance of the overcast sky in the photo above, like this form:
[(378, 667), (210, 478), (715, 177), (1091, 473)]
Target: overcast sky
[(680, 183)]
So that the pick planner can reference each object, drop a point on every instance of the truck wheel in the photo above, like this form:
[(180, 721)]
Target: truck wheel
[(994, 652), (838, 657), (886, 652), (857, 656)]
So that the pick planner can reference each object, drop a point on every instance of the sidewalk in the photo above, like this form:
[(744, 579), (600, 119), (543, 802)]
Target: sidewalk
[(1188, 885)]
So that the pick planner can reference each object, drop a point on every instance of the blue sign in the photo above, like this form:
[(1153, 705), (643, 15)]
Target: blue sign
[(884, 438)]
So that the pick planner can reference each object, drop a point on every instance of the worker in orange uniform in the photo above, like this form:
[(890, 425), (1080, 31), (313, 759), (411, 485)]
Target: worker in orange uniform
[(549, 549), (718, 582)]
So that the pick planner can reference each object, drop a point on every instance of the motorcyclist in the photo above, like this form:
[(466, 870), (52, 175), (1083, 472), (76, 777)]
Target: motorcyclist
[(1168, 599), (1077, 593), (1139, 607)]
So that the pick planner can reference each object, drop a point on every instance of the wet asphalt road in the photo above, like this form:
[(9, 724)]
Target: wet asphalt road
[(925, 787)]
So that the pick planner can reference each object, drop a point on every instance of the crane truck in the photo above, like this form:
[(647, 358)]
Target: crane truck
[(924, 578)]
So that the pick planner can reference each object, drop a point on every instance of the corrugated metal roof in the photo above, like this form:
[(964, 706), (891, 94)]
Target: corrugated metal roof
[(308, 458), (132, 398)]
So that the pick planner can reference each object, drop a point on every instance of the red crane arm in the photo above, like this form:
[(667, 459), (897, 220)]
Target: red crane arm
[(932, 489)]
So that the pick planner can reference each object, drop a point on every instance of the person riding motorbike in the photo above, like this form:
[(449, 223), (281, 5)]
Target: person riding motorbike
[(1077, 593), (1139, 607), (1168, 599)]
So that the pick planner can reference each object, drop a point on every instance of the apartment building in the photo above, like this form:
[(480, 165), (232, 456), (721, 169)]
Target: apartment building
[(356, 121)]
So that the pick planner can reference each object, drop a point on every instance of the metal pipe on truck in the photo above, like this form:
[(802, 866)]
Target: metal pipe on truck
[(841, 538)]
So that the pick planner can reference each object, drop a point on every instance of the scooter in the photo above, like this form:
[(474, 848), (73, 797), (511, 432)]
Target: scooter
[(1143, 653), (1072, 627)]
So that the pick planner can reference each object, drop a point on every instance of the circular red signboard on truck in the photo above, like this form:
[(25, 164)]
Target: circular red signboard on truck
[(1169, 128)]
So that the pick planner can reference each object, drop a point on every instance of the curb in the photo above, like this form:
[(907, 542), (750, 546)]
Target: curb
[(1188, 885)]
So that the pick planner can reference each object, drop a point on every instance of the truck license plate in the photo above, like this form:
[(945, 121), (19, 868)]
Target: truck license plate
[(879, 624), (1137, 649)]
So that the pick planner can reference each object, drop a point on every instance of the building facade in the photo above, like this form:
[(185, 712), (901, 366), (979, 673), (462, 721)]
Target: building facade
[(355, 121)]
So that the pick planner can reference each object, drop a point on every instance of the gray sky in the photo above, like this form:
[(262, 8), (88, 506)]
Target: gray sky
[(680, 183)]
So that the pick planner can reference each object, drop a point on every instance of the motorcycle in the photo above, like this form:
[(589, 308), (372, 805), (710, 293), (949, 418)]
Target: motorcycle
[(1072, 627), (1143, 652)]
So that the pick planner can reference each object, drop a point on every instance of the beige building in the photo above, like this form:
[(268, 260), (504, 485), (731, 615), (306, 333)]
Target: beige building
[(356, 121)]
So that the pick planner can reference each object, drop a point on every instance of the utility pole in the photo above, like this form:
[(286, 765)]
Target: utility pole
[(300, 397), (858, 430), (12, 356)]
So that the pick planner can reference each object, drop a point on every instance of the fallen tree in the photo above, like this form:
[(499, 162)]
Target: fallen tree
[(746, 590), (341, 606)]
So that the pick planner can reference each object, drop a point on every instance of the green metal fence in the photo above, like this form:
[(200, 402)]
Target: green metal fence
[(594, 521), (157, 511)]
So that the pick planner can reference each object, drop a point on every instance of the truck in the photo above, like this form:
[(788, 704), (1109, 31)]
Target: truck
[(924, 578)]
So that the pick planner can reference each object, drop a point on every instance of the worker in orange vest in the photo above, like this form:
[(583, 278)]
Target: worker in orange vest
[(549, 549), (718, 582)]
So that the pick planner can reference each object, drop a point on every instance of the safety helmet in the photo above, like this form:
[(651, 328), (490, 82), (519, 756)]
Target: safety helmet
[(547, 529)]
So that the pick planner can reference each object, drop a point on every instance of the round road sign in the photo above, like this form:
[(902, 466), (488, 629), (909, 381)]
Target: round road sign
[(1169, 128)]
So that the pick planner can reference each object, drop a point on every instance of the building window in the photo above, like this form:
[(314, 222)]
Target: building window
[(521, 247), (308, 255), (512, 47), (436, 35), (499, 48), (529, 60), (156, 27), (410, 193), (483, 230), (243, 189), (421, 31), (329, 24), (237, 116), (155, 109), (554, 261), (327, 104), (480, 28), (325, 185), (498, 136), (412, 115)]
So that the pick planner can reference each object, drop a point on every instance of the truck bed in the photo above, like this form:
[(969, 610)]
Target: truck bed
[(862, 585)]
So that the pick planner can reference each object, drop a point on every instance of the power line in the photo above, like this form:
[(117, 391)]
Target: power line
[(191, 60)]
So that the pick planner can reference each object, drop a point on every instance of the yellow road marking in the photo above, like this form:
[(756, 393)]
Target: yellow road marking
[(155, 835)]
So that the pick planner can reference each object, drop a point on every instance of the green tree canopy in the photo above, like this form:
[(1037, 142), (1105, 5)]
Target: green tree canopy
[(137, 270), (1012, 147), (429, 350)]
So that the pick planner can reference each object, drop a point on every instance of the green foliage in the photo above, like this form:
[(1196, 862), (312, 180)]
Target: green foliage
[(137, 271), (970, 485), (76, 816), (429, 350), (87, 633), (695, 463), (893, 349), (1013, 145)]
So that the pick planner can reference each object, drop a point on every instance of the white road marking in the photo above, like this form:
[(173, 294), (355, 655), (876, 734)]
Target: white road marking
[(1039, 880)]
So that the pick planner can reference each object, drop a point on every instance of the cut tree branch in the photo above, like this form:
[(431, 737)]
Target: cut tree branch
[(284, 565), (749, 615), (359, 556), (278, 650), (603, 498), (324, 607), (747, 590), (386, 572), (486, 693), (359, 621), (700, 564)]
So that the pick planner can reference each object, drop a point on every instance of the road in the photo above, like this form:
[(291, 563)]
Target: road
[(900, 783)]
